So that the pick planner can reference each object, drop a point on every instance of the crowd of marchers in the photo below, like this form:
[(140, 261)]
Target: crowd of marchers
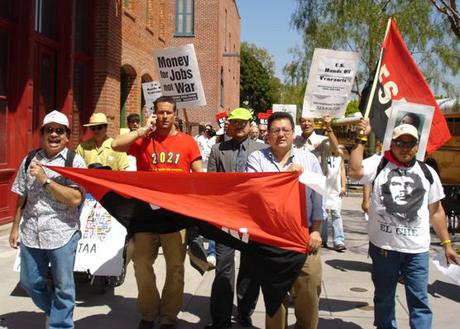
[(405, 199)]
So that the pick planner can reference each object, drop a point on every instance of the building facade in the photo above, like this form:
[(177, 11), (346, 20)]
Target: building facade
[(83, 56)]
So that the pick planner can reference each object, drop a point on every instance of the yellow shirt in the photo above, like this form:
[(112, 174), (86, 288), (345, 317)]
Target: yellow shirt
[(103, 155)]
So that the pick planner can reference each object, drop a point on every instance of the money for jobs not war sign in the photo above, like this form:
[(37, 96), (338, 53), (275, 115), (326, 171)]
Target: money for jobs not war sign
[(180, 75), (330, 81)]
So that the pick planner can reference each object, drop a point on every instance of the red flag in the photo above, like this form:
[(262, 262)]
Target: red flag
[(269, 207), (402, 80)]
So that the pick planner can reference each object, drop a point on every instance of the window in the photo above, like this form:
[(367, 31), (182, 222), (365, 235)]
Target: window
[(81, 25), (5, 8), (184, 17), (45, 17)]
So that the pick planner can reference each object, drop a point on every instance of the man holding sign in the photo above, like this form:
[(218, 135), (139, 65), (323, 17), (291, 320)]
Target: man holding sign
[(160, 147), (406, 199)]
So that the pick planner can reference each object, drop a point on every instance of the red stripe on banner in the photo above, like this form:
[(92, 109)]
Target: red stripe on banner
[(270, 206)]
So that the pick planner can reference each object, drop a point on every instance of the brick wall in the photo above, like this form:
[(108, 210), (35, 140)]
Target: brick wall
[(125, 39)]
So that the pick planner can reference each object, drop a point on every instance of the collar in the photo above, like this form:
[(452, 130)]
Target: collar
[(272, 157), (243, 144), (391, 158)]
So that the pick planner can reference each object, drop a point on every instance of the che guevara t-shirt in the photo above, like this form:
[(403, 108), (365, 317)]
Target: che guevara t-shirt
[(398, 212)]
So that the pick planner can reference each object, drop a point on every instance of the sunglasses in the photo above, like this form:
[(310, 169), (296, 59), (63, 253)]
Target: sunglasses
[(59, 131), (404, 144), (99, 127)]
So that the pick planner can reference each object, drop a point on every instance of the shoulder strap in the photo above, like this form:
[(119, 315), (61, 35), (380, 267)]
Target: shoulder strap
[(383, 162), (29, 158), (426, 171), (70, 158)]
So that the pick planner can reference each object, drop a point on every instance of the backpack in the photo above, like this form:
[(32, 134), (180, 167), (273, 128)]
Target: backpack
[(30, 156), (423, 166)]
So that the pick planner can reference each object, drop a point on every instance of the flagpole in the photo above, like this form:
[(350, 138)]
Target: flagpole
[(377, 74)]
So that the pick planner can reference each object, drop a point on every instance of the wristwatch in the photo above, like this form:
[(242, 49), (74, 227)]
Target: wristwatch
[(47, 182)]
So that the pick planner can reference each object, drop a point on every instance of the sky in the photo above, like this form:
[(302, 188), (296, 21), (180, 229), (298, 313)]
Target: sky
[(266, 23)]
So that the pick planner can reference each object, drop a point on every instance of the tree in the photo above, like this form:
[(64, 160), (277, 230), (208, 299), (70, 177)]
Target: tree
[(449, 10), (259, 87), (360, 26)]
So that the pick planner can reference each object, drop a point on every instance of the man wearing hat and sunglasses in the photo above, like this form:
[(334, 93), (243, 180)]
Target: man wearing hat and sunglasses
[(406, 199), (98, 149), (47, 222)]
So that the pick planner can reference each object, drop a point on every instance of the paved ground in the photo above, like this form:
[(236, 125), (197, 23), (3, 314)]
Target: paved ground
[(346, 301)]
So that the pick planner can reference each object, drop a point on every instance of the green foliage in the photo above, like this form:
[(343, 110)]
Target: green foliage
[(352, 107), (259, 87), (359, 26)]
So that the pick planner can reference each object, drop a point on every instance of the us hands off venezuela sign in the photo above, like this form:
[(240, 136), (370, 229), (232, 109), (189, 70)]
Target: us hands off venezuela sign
[(180, 75)]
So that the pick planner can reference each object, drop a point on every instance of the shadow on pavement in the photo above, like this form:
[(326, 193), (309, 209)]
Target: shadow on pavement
[(447, 290), (340, 305), (349, 265), (24, 320), (336, 323)]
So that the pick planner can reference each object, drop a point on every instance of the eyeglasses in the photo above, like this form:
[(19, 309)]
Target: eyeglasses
[(404, 144), (278, 131), (59, 131), (99, 127)]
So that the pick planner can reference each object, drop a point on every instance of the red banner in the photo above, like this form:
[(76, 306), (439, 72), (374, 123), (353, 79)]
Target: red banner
[(401, 79), (268, 208)]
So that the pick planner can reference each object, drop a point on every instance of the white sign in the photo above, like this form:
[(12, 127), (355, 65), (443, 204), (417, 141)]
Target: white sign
[(288, 108), (180, 75), (100, 249), (152, 90), (418, 115), (329, 83)]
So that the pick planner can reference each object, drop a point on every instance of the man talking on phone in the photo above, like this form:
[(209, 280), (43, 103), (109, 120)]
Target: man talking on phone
[(159, 147)]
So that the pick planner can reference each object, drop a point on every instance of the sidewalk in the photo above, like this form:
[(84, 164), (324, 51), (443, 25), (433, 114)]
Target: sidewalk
[(346, 301)]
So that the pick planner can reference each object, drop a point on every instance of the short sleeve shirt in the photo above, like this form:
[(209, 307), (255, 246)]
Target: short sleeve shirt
[(317, 144), (104, 154), (398, 214), (165, 153), (46, 223)]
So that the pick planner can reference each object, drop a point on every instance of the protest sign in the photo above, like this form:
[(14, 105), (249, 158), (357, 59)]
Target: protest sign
[(152, 90), (100, 249), (288, 108), (180, 75), (329, 83), (221, 118), (263, 117), (418, 115)]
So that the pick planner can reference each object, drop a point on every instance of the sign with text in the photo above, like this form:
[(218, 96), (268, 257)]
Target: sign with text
[(151, 90), (329, 83), (100, 249), (288, 108), (180, 75)]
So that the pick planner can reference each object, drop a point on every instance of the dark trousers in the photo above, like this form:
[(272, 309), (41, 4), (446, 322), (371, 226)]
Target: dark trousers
[(223, 286)]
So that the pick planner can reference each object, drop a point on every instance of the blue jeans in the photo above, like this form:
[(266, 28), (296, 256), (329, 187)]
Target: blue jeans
[(57, 301), (211, 248), (337, 227), (386, 267)]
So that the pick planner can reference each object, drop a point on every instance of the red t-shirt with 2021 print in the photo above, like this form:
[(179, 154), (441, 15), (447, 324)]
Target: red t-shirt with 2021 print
[(165, 153)]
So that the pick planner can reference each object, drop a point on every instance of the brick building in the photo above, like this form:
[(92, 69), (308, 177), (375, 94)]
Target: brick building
[(83, 56)]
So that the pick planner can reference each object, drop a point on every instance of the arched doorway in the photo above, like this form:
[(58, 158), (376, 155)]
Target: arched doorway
[(127, 91)]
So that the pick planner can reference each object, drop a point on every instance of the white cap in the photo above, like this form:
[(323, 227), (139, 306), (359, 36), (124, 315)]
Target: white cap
[(56, 117), (405, 129)]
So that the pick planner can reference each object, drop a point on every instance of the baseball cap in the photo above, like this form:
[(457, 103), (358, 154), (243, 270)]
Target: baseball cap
[(240, 114), (405, 129), (97, 119), (56, 117)]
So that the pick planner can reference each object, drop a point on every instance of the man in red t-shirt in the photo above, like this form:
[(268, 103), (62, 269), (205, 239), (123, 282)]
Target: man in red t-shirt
[(160, 147)]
